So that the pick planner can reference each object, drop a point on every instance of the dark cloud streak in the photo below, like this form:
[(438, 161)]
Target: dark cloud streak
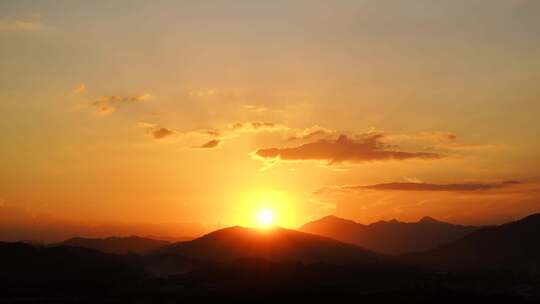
[(427, 187), (162, 133), (214, 143)]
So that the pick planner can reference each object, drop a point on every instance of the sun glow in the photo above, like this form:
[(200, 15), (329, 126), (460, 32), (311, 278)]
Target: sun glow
[(265, 217), (264, 208)]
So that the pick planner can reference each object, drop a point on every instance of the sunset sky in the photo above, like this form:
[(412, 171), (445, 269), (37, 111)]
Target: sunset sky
[(199, 114)]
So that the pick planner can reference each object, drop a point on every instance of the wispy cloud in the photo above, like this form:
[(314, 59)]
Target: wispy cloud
[(209, 132), (112, 99), (80, 88), (408, 186), (216, 137), (104, 110), (437, 136), (453, 146), (312, 133), (255, 108), (437, 141), (202, 93), (20, 25), (107, 104), (257, 126), (325, 206)]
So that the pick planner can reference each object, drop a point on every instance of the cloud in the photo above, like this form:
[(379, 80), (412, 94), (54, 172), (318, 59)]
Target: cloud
[(104, 110), (80, 88), (162, 133), (437, 136), (209, 132), (238, 128), (312, 133), (257, 126), (211, 138), (468, 147), (325, 206), (343, 149), (255, 108), (215, 137), (146, 125), (233, 130), (214, 143), (440, 135), (121, 99), (156, 131), (408, 186), (16, 25), (320, 143), (202, 93), (107, 104), (437, 141)]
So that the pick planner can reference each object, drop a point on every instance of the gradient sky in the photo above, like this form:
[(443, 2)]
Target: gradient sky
[(202, 112)]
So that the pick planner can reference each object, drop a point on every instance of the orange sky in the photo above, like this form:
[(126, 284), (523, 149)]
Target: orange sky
[(149, 116)]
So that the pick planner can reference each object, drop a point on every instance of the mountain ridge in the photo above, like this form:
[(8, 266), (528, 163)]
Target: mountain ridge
[(117, 244), (389, 237), (512, 245), (274, 244)]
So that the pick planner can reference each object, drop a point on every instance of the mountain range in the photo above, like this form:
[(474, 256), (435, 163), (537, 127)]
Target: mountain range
[(390, 237), (498, 264), (509, 246)]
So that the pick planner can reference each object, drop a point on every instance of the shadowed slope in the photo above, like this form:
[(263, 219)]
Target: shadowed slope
[(118, 245), (514, 245), (391, 237), (275, 244), (31, 270)]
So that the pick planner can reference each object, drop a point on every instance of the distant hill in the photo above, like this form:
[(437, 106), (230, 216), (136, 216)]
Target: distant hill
[(275, 244), (118, 245), (515, 245), (32, 270), (391, 237)]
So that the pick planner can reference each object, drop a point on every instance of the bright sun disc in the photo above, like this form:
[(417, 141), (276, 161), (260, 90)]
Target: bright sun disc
[(265, 217)]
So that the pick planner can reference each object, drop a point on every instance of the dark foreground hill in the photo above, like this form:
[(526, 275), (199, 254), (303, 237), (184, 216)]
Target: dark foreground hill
[(273, 244), (391, 237), (118, 245), (66, 271), (514, 246)]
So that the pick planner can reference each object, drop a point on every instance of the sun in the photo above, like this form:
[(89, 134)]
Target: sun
[(265, 217)]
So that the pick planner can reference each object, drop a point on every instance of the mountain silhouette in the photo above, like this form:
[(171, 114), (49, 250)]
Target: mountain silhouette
[(33, 270), (118, 245), (392, 237), (274, 244), (252, 265), (515, 246)]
